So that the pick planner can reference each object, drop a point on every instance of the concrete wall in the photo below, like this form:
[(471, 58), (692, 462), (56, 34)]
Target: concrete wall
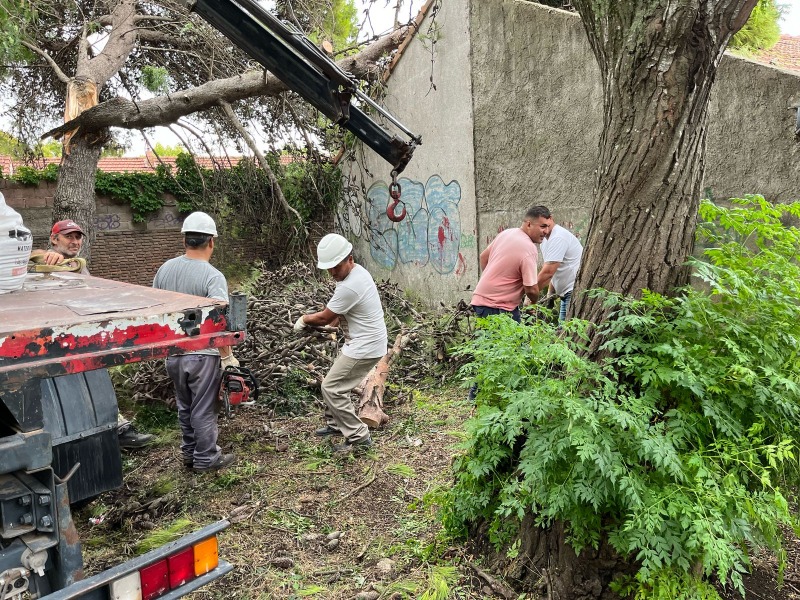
[(433, 251), (538, 118), (535, 120)]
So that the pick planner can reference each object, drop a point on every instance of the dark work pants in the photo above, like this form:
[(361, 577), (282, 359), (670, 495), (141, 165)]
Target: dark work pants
[(196, 378)]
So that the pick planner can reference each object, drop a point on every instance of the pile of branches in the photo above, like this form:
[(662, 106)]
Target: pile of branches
[(281, 357)]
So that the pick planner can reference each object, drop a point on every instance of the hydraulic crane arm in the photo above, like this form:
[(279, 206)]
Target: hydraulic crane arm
[(304, 69)]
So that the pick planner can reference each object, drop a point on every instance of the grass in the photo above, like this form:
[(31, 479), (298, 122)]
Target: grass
[(382, 503), (159, 537)]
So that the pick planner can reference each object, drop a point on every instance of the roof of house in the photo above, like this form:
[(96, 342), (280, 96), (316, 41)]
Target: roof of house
[(784, 54), (132, 164)]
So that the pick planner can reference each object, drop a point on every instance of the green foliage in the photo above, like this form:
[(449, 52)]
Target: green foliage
[(761, 31), (441, 579), (32, 176), (160, 537), (9, 145), (143, 191), (155, 79), (162, 150), (14, 14), (678, 448), (335, 21)]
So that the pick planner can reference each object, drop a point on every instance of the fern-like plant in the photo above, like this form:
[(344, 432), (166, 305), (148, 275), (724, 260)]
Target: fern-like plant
[(679, 448)]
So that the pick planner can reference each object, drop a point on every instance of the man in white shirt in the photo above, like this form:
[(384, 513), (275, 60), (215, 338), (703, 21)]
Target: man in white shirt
[(355, 300), (561, 253)]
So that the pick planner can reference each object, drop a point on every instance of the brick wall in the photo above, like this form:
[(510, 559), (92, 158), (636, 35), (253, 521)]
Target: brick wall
[(124, 250), (134, 256)]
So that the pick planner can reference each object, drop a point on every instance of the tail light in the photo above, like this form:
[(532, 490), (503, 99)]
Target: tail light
[(172, 572)]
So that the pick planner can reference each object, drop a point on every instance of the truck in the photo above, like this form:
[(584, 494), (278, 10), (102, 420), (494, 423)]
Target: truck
[(61, 332), (58, 428)]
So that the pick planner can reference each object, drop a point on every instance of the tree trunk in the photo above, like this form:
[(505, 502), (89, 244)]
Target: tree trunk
[(658, 61), (548, 567), (74, 196)]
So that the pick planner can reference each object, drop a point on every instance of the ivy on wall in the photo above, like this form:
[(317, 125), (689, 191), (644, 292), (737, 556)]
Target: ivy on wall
[(241, 193)]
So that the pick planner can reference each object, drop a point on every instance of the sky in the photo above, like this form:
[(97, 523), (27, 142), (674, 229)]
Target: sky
[(377, 20), (790, 23)]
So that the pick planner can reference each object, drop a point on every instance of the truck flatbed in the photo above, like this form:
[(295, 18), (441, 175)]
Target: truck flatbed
[(66, 323)]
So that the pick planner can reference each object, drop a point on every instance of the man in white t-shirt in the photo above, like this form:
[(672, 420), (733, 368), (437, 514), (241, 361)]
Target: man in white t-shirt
[(561, 253), (355, 300)]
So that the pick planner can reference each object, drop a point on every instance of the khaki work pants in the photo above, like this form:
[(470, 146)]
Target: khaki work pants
[(345, 374)]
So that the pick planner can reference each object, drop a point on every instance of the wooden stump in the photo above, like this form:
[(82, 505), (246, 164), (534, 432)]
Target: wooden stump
[(373, 386)]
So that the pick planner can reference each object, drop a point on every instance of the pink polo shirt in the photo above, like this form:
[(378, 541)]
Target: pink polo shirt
[(512, 265)]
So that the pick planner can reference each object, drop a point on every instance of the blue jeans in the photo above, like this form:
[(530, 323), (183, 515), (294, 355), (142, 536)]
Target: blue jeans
[(485, 311), (562, 313)]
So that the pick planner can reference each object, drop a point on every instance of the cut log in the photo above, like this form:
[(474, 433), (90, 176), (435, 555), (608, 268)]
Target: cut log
[(373, 386)]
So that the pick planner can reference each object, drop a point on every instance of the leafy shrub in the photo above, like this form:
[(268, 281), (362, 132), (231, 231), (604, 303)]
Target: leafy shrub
[(762, 30), (678, 448)]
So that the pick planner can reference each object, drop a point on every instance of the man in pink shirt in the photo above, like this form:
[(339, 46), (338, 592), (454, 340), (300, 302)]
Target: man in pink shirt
[(509, 267)]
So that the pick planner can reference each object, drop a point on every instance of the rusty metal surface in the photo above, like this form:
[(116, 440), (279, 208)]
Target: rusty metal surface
[(66, 323), (37, 306)]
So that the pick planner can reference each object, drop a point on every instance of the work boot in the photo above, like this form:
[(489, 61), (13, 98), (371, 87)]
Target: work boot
[(188, 462), (327, 430), (358, 448), (224, 460), (131, 439)]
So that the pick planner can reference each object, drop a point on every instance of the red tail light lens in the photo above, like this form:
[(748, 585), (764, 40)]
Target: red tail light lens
[(181, 568), (155, 580)]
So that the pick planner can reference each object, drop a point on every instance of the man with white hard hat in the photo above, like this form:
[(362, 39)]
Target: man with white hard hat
[(196, 375), (355, 300)]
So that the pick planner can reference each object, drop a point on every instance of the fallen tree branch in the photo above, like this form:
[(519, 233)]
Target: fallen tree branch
[(357, 490), (164, 110), (497, 587)]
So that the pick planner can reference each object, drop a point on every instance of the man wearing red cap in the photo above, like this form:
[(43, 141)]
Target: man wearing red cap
[(66, 241)]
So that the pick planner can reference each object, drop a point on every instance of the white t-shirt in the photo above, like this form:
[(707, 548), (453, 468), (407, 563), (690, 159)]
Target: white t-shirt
[(562, 247), (356, 299)]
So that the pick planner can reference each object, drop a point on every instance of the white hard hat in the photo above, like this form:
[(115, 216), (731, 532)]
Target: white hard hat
[(199, 222), (331, 250)]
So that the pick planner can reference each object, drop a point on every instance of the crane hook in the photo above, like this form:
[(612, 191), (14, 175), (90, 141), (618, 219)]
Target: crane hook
[(394, 192)]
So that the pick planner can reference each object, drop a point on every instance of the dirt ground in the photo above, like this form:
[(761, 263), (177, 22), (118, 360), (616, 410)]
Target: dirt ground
[(304, 524), (307, 525)]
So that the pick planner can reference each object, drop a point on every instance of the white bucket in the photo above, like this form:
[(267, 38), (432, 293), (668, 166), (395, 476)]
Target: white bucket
[(16, 242)]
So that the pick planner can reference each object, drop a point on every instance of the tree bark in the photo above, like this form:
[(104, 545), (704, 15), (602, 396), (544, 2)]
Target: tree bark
[(373, 386), (658, 61), (549, 568), (76, 184)]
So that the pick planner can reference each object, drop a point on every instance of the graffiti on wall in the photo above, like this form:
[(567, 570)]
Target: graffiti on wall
[(430, 235), (107, 222)]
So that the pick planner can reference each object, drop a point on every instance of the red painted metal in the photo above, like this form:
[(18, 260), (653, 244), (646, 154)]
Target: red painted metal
[(68, 323)]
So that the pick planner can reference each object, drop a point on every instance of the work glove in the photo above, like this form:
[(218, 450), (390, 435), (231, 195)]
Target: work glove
[(300, 324), (229, 361)]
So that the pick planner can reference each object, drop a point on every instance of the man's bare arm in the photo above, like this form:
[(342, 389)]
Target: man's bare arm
[(546, 273), (321, 318), (532, 292), (484, 258)]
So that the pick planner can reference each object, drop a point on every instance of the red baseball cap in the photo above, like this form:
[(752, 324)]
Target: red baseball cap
[(67, 226)]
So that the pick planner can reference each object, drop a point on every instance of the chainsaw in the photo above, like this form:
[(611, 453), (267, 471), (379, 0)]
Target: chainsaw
[(239, 387)]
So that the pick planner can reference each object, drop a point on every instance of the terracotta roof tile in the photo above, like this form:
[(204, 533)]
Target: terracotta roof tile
[(784, 54), (131, 164)]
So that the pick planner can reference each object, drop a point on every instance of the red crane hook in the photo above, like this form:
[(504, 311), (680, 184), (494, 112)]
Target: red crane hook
[(394, 192)]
